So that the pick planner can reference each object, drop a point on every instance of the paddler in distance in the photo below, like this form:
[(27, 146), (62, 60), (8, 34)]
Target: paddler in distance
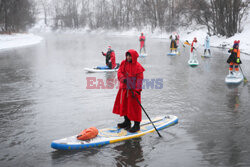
[(110, 58)]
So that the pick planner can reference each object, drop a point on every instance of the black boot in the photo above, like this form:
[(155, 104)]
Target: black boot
[(126, 124), (135, 128)]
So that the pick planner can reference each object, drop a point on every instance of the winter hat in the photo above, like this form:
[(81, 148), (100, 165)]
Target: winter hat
[(236, 43)]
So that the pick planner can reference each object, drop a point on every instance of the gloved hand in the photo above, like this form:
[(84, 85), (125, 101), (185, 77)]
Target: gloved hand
[(134, 92), (230, 50), (103, 54), (194, 48), (238, 60)]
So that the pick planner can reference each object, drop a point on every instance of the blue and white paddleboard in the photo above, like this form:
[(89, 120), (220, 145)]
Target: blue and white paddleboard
[(95, 70), (172, 54), (112, 135)]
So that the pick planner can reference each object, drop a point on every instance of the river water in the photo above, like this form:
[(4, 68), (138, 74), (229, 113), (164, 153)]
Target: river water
[(44, 96)]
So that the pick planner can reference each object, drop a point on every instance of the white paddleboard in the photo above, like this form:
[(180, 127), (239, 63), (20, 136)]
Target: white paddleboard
[(95, 70), (236, 78), (193, 63), (112, 135)]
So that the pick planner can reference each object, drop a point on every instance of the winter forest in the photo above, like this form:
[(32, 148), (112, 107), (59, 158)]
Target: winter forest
[(221, 17)]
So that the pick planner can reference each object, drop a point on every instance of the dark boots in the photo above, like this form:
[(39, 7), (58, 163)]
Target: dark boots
[(135, 128), (126, 124)]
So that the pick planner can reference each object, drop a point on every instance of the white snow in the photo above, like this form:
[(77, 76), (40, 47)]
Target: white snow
[(218, 41), (18, 40)]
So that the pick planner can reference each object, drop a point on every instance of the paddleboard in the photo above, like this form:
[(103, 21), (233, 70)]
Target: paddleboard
[(113, 135), (234, 78), (173, 54), (95, 70), (193, 63)]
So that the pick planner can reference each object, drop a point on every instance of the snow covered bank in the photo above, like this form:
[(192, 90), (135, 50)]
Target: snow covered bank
[(218, 41), (18, 40)]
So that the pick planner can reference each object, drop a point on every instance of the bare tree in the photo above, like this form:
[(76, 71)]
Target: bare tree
[(220, 16), (16, 15)]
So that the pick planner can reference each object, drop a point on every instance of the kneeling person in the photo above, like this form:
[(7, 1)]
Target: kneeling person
[(110, 58)]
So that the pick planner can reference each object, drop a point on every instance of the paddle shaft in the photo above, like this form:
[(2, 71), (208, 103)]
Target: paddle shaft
[(145, 113), (245, 79)]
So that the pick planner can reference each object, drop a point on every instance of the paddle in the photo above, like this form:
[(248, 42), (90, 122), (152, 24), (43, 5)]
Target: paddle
[(145, 113), (245, 79), (187, 43)]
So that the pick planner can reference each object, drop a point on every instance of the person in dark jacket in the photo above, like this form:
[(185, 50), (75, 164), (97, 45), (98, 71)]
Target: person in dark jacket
[(110, 58), (234, 58)]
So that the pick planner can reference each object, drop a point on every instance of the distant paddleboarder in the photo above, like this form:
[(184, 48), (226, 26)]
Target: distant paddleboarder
[(234, 58), (110, 58), (130, 76), (207, 45), (142, 40), (193, 49), (173, 43)]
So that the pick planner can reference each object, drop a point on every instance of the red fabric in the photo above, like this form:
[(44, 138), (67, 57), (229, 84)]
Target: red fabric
[(177, 41), (125, 103), (112, 58), (192, 45), (142, 41)]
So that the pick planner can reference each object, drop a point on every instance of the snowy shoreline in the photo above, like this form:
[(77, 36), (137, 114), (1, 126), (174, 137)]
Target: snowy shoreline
[(16, 40)]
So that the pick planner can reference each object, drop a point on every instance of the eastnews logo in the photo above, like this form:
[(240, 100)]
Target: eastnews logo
[(94, 83)]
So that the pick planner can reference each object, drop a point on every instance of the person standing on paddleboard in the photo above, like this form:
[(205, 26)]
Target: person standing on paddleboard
[(110, 58), (177, 40), (234, 58), (173, 44), (142, 40), (207, 45), (193, 49), (130, 76)]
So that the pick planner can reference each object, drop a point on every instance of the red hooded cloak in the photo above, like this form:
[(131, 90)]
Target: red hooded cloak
[(125, 103)]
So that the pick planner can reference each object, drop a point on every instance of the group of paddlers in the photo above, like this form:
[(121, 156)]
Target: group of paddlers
[(130, 76)]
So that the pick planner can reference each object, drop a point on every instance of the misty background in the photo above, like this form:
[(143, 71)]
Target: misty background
[(221, 17)]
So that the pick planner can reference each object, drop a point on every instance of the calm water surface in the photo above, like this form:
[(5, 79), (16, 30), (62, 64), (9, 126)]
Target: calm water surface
[(43, 97)]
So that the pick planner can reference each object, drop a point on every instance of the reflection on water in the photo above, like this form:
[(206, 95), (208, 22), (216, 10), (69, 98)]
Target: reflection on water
[(129, 153), (234, 99)]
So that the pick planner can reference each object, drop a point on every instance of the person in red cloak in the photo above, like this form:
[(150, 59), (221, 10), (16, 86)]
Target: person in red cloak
[(110, 58), (142, 43), (130, 76)]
